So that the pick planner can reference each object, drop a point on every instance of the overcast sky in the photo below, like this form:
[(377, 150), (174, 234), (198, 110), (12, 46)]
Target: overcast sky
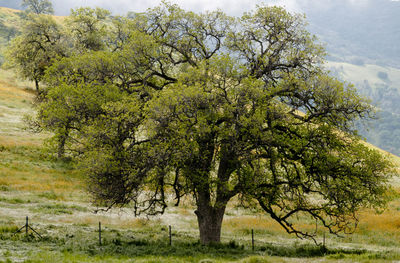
[(232, 7)]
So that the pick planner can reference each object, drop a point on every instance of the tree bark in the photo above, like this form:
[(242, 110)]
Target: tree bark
[(37, 86), (210, 222), (209, 215), (61, 146)]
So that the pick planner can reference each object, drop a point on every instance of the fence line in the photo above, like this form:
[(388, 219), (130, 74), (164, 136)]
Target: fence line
[(99, 233), (27, 227)]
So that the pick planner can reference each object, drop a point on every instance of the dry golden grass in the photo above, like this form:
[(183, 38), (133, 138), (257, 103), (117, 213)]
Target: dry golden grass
[(12, 86), (10, 11), (8, 91), (24, 139), (23, 166), (39, 180), (11, 77), (388, 221), (384, 227), (59, 19), (11, 17)]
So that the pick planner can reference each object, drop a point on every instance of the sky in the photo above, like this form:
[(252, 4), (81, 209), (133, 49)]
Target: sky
[(121, 7), (231, 7)]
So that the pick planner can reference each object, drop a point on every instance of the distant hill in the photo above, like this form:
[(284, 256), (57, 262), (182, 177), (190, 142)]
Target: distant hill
[(362, 39), (363, 31), (382, 86), (15, 4)]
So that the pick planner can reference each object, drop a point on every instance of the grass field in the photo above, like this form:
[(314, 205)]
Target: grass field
[(52, 194), (358, 74)]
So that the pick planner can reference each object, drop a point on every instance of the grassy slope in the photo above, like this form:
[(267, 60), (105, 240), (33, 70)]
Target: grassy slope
[(382, 86), (357, 74), (8, 18)]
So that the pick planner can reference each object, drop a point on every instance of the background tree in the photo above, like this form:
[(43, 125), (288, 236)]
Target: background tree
[(39, 43), (43, 40), (88, 28), (213, 107), (8, 32), (38, 6), (80, 103)]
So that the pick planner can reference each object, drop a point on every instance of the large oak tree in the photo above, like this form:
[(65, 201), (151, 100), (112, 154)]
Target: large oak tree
[(214, 107)]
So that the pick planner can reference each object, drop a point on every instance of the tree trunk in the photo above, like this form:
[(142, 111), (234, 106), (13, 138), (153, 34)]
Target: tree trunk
[(61, 146), (209, 215), (37, 86), (210, 223)]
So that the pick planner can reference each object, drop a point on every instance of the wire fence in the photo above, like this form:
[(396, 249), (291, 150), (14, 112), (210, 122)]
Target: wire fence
[(27, 226)]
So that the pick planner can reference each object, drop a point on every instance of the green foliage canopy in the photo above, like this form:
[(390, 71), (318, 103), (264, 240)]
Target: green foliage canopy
[(39, 43), (44, 41), (214, 107), (87, 28)]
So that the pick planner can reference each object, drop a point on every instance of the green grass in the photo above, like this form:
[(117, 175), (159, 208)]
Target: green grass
[(357, 74), (14, 200), (57, 208), (124, 246), (8, 229)]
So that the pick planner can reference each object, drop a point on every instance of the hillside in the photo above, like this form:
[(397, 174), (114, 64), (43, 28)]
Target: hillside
[(362, 39), (357, 31), (382, 85), (9, 27)]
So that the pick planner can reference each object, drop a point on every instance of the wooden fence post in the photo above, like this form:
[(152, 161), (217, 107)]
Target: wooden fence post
[(252, 239), (99, 233), (170, 235), (26, 226)]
